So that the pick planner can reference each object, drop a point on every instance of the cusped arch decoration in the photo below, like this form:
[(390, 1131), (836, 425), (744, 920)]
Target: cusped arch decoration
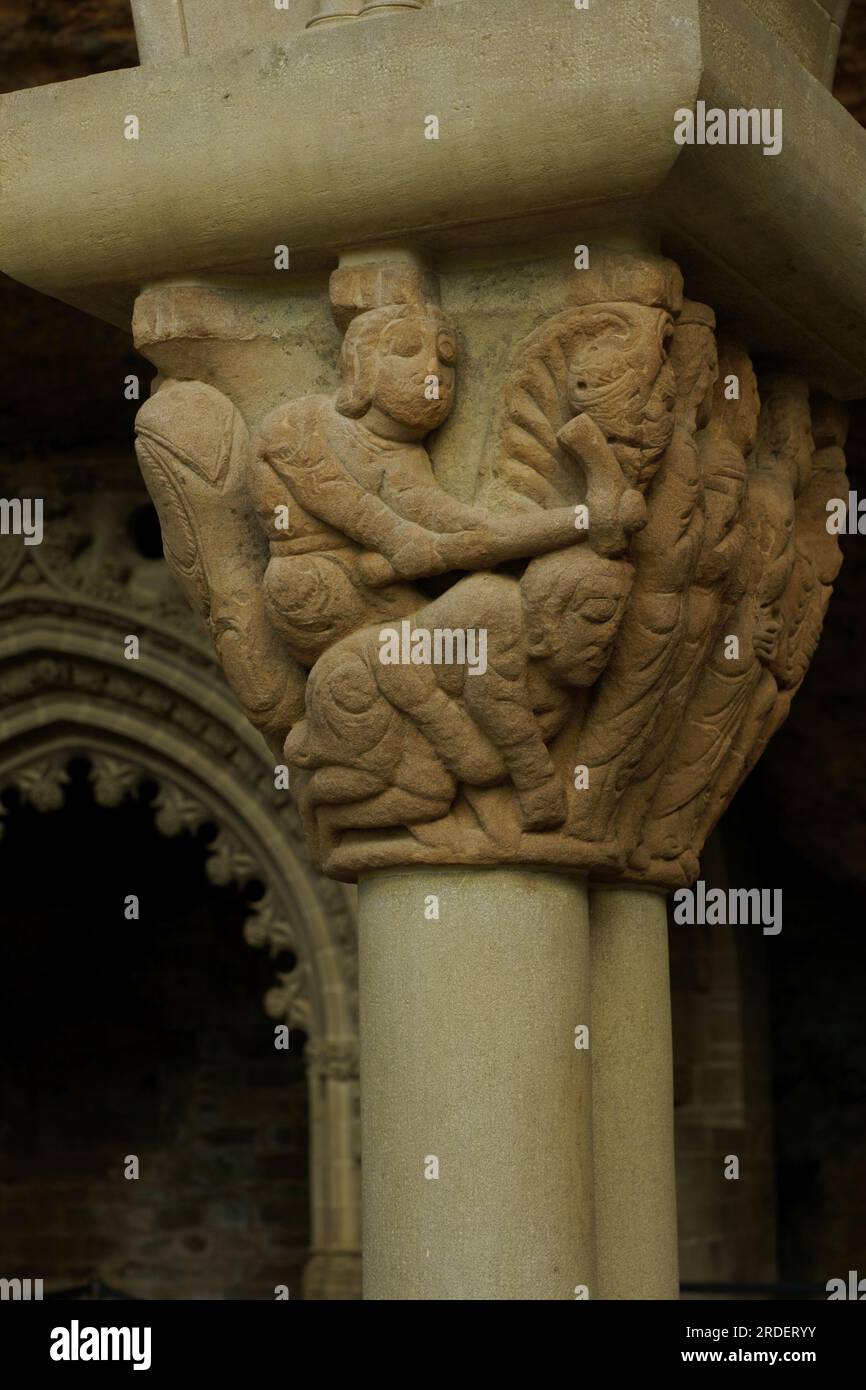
[(68, 690)]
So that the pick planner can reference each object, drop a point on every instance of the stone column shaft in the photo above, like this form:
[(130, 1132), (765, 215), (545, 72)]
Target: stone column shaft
[(632, 1108), (468, 1057)]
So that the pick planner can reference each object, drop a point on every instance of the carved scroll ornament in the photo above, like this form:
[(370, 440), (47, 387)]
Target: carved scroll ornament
[(576, 669)]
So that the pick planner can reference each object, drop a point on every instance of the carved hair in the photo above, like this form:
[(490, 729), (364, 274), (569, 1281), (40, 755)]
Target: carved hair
[(360, 345), (554, 583)]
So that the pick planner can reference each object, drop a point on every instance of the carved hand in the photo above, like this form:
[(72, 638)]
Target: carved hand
[(616, 510)]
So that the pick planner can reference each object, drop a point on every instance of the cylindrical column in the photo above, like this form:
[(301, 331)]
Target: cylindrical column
[(476, 1110), (160, 31), (632, 1082)]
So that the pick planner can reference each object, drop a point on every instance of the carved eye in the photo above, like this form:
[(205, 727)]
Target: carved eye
[(617, 324), (406, 342), (446, 348), (598, 610)]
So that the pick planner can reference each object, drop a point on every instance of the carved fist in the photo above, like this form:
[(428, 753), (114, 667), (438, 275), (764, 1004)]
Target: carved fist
[(375, 570)]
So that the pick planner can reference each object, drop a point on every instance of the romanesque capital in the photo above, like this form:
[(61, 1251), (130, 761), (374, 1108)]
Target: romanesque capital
[(571, 660)]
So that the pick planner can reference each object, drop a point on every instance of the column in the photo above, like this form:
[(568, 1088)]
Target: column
[(476, 1115), (632, 1096)]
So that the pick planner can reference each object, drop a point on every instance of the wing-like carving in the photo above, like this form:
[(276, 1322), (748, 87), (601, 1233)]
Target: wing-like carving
[(193, 449)]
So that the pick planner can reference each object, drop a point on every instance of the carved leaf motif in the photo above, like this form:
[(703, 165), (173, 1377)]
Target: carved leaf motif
[(113, 780), (228, 862), (176, 811), (42, 784), (195, 424), (290, 999), (268, 927)]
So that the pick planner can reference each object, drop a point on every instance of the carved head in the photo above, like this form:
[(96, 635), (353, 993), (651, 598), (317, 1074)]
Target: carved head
[(724, 447), (573, 605), (767, 631), (724, 474), (399, 361), (619, 374)]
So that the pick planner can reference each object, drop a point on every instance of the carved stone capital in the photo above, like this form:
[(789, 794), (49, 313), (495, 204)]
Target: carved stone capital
[(535, 600)]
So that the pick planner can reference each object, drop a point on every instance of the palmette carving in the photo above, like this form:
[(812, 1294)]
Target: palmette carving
[(644, 573)]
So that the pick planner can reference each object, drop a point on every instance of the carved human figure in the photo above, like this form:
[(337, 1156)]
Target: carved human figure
[(545, 640), (724, 442), (620, 376), (781, 507), (622, 724), (608, 648), (731, 707), (612, 359), (366, 512)]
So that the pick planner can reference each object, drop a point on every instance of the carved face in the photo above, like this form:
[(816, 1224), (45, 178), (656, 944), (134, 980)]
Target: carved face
[(412, 369), (767, 631), (574, 605), (724, 471), (587, 631), (619, 374)]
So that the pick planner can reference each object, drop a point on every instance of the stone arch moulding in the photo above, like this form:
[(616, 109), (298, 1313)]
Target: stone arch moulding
[(67, 690)]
